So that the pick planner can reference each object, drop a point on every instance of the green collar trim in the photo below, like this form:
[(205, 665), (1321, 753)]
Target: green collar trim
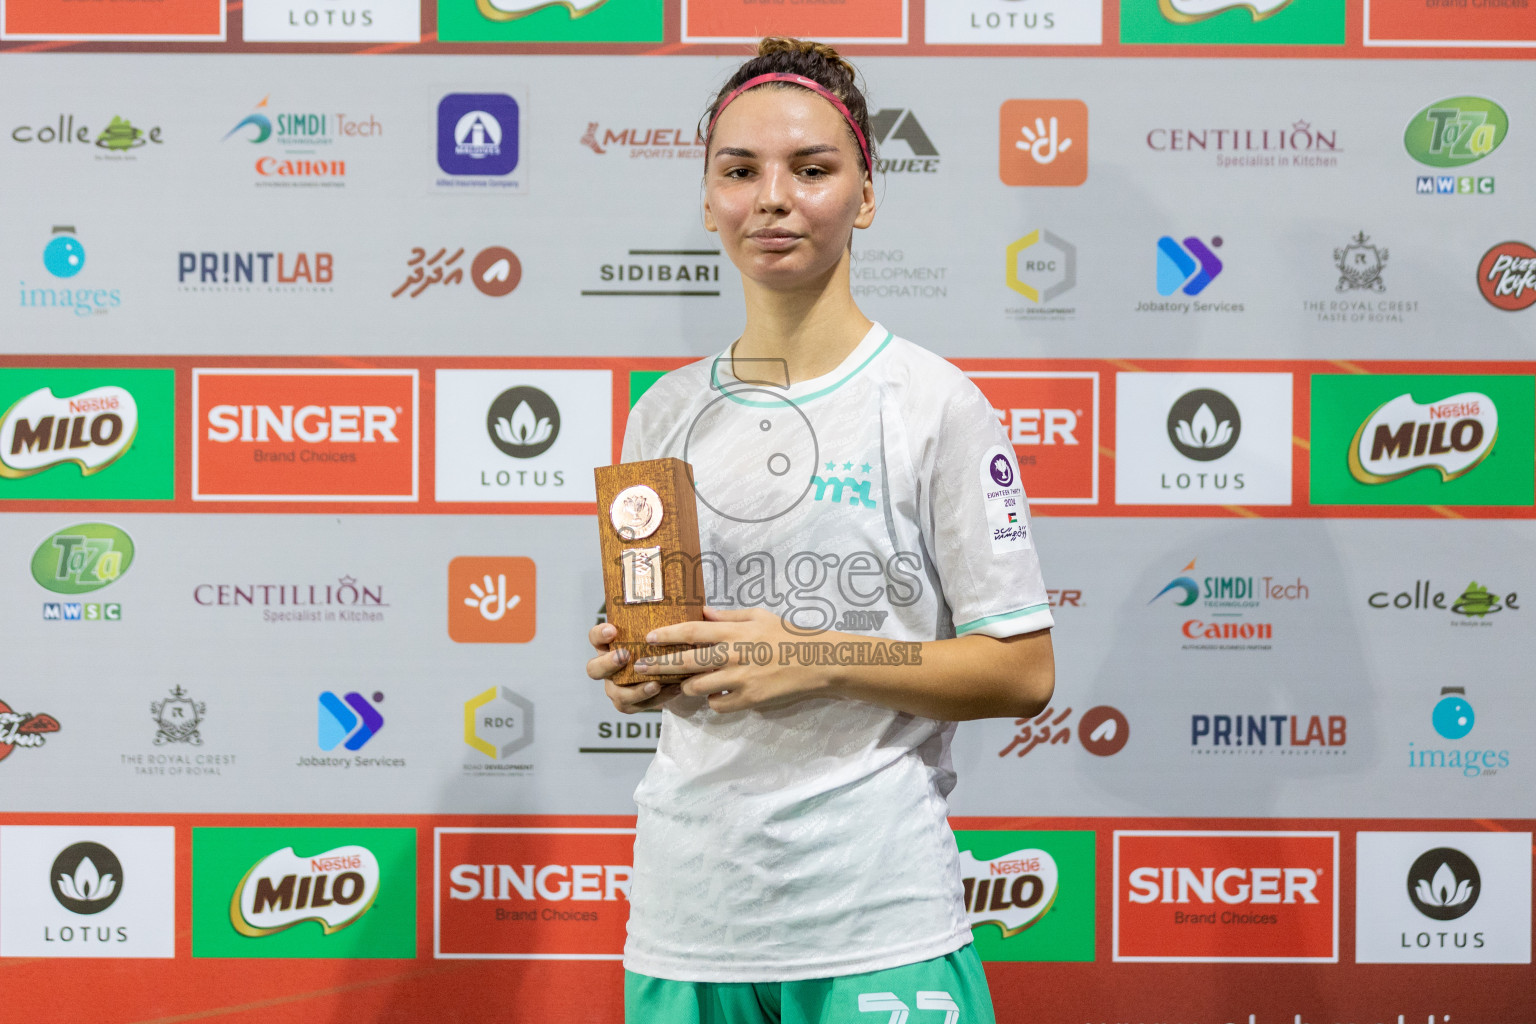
[(714, 381)]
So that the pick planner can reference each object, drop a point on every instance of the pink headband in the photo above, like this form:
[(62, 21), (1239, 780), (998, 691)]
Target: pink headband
[(802, 81)]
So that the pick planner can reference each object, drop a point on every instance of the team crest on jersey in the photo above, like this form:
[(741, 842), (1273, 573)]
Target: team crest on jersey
[(1003, 500), (846, 482)]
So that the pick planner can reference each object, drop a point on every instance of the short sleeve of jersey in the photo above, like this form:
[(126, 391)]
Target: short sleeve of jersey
[(977, 521)]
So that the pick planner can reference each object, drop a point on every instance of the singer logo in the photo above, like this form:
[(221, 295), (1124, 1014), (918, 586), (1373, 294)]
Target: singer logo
[(334, 888), (1451, 436), (1226, 896), (527, 893), (1051, 419), (304, 435)]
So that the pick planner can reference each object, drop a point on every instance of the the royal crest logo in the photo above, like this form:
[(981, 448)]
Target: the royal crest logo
[(21, 729), (178, 718), (1452, 436), (333, 889), (1011, 891), (1360, 265), (92, 429)]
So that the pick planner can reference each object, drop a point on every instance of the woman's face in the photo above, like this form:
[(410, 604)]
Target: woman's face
[(785, 186)]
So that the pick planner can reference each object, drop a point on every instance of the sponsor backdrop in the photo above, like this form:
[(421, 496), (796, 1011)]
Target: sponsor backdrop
[(307, 358)]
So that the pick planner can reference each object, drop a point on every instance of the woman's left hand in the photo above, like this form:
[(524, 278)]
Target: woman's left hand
[(731, 675)]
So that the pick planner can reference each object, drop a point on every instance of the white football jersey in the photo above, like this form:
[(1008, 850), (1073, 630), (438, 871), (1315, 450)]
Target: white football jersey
[(881, 499)]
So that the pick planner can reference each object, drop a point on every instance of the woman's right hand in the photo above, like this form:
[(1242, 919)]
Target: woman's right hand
[(626, 699)]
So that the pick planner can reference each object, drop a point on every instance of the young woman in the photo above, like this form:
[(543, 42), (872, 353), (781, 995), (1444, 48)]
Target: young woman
[(872, 581)]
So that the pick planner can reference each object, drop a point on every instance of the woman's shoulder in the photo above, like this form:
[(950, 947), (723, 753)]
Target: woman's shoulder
[(926, 378)]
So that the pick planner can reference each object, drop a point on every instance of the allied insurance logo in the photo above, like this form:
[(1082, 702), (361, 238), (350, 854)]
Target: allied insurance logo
[(1051, 419), (531, 893), (1433, 440), (304, 435), (304, 892), (479, 142), (1205, 897)]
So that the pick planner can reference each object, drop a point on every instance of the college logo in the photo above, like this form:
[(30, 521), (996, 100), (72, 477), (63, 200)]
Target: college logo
[(63, 258), (1226, 896), (1419, 897), (304, 892), (896, 124), (338, 725), (88, 891), (533, 21), (373, 21), (501, 435), (1043, 142), (23, 729), (498, 723), (264, 435), (117, 138), (1471, 608), (1189, 268), (491, 600), (478, 134), (1227, 22), (1051, 419), (1375, 443), (1456, 132), (177, 718), (531, 894), (1103, 731), (92, 429), (1041, 266), (1506, 275)]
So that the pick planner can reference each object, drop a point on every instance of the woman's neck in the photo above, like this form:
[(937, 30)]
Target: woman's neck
[(810, 329)]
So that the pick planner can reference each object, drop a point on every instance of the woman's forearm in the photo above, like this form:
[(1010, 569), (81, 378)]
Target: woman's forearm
[(968, 677)]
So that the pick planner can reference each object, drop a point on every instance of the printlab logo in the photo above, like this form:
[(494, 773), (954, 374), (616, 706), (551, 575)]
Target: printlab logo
[(1454, 719), (1043, 142), (23, 729), (178, 719), (680, 273), (92, 430), (1204, 425), (1103, 731), (255, 271), (478, 140), (897, 124), (645, 143), (1041, 266), (350, 722), (87, 878), (1444, 884), (82, 559), (117, 140), (498, 723), (1257, 735), (1506, 275), (492, 600), (1189, 268), (495, 271), (64, 258), (523, 422)]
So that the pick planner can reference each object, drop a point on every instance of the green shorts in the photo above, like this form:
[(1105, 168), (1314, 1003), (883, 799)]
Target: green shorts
[(945, 990)]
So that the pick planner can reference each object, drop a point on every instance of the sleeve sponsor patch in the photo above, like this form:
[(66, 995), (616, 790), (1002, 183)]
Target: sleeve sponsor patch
[(1003, 501)]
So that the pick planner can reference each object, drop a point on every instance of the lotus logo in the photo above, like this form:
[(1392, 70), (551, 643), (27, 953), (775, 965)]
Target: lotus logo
[(87, 878), (1402, 436), (1204, 425), (523, 422), (1444, 884)]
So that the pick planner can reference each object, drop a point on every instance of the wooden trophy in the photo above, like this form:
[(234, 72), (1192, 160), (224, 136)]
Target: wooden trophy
[(652, 576)]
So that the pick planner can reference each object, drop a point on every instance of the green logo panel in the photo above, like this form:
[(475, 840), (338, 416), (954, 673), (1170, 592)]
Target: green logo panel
[(96, 452), (380, 926), (1456, 132), (1255, 22), (83, 558), (538, 21), (1064, 931), (1343, 404)]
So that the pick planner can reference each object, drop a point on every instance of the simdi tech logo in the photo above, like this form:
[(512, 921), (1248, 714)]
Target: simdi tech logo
[(534, 21), (342, 893), (1030, 896), (303, 136), (304, 435), (1454, 439), (1233, 22), (1210, 896), (531, 893), (1043, 142), (1443, 897), (96, 434)]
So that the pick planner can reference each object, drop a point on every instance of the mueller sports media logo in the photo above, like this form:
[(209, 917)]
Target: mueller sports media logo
[(1298, 145), (42, 430), (1506, 275), (644, 143), (494, 271), (1206, 896), (304, 435), (333, 889), (1259, 735), (529, 893), (479, 141), (1103, 731), (1451, 436), (1011, 891), (1454, 719), (119, 140), (255, 271), (1041, 266), (1051, 419), (897, 124), (64, 258), (1043, 142), (678, 273), (23, 729)]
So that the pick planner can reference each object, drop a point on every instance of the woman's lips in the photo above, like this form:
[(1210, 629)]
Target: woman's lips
[(773, 239)]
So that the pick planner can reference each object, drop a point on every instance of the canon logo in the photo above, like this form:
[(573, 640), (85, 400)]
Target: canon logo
[(553, 882), (311, 423), (1230, 885)]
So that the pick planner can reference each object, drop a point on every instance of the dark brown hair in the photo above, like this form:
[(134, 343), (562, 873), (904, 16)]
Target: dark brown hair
[(816, 61)]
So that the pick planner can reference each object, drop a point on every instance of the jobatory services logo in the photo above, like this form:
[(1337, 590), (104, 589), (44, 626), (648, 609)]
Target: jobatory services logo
[(1231, 607), (1187, 268), (1233, 22), (1203, 438), (494, 271), (672, 273), (1443, 897), (1004, 23), (64, 259), (1041, 266), (1102, 731), (1208, 897), (1051, 419), (82, 559), (347, 893), (1506, 275), (1043, 142), (643, 143), (1029, 896), (492, 600), (304, 435), (531, 893), (522, 435), (331, 21), (25, 729), (1299, 144), (266, 272), (498, 723), (339, 726), (1474, 606), (1264, 735), (536, 21), (1454, 439), (891, 125), (479, 142), (1454, 719), (88, 891), (118, 141)]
